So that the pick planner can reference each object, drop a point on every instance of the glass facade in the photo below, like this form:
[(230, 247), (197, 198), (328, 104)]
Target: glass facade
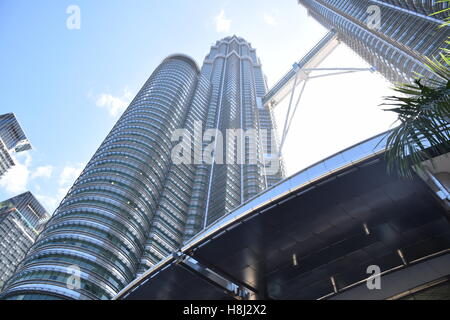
[(237, 83), (21, 220), (132, 205), (397, 47), (12, 139), (6, 161)]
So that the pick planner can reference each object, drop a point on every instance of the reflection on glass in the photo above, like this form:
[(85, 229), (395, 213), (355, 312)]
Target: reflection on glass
[(299, 180), (335, 162), (317, 170)]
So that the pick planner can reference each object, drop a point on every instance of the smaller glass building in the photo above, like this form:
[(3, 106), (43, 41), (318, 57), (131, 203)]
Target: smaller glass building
[(12, 139), (22, 218)]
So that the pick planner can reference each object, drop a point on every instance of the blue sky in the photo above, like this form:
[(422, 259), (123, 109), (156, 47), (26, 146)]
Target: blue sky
[(68, 87)]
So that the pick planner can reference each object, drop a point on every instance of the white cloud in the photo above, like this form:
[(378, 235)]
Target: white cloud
[(114, 104), (270, 19), (62, 192), (69, 174), (42, 172), (16, 178), (67, 177), (49, 203), (222, 23)]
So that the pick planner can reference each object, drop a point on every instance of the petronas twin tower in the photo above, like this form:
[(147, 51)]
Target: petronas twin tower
[(396, 46), (136, 203), (132, 205)]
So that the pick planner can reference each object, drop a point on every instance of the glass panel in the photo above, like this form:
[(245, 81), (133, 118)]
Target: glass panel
[(335, 162), (317, 171), (353, 154), (374, 145), (299, 179)]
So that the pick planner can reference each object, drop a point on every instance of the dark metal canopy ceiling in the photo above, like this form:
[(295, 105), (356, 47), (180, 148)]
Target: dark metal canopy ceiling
[(311, 241)]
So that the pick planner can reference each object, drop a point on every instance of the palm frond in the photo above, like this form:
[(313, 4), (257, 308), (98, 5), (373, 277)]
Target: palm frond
[(423, 113), (447, 19)]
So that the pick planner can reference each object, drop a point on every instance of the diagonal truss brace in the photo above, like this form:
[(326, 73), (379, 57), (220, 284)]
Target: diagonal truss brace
[(306, 77)]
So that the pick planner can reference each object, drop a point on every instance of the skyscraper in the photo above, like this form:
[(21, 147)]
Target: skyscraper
[(22, 218), (133, 204), (12, 139), (392, 36)]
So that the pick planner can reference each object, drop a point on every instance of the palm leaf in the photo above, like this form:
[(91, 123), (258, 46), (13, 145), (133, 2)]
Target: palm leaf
[(424, 127), (423, 111)]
